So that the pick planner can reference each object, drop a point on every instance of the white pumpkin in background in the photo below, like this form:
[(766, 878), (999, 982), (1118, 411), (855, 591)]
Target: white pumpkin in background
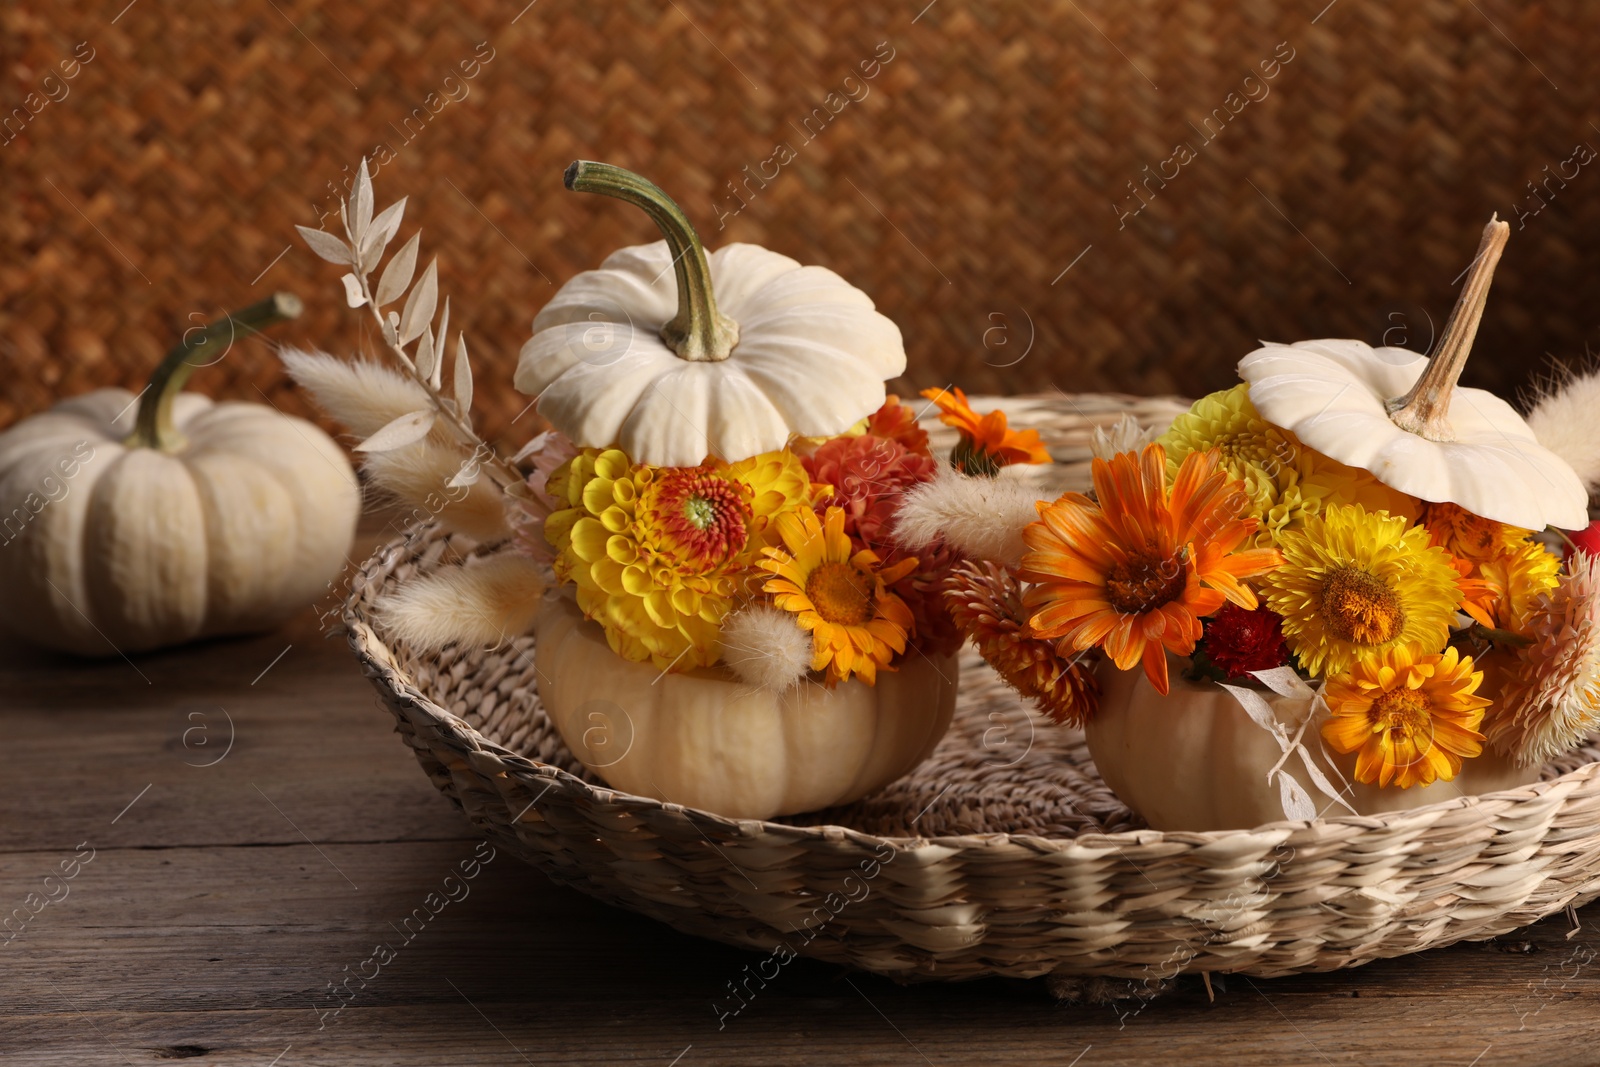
[(133, 522), (1401, 416), (674, 356), (708, 740)]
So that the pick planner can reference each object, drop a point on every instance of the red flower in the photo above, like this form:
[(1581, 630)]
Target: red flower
[(1239, 641)]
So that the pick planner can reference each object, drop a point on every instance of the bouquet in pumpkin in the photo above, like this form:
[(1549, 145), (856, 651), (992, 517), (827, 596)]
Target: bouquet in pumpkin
[(705, 544), (1346, 527)]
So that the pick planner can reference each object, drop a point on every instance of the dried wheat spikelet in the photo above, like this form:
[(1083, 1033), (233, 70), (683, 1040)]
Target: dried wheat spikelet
[(979, 517), (766, 648), (483, 602), (1562, 420)]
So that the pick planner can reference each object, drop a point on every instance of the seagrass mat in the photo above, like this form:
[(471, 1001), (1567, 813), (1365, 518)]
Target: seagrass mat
[(987, 185)]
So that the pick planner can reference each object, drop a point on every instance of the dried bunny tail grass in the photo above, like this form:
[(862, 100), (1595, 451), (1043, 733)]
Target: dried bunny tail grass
[(766, 648), (979, 517), (420, 475), (362, 395), (1563, 421), (1550, 700), (483, 603)]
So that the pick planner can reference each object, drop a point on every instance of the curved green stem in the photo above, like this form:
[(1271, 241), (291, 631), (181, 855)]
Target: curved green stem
[(153, 427), (699, 332)]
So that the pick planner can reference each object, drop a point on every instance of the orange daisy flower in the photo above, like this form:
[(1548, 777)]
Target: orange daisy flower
[(1134, 572), (986, 443)]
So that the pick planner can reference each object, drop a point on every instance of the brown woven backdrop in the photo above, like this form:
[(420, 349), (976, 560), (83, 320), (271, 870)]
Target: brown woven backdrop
[(1339, 198)]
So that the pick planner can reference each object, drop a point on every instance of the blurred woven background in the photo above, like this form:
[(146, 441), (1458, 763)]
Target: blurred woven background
[(984, 160)]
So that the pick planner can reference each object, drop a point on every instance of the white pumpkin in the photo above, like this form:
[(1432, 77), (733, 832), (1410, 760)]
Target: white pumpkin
[(1402, 417), (1195, 760), (704, 739), (673, 356), (125, 530)]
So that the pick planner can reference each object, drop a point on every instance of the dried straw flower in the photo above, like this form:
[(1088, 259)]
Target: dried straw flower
[(986, 601), (1550, 700)]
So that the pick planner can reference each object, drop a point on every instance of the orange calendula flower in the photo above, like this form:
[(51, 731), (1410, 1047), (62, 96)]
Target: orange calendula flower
[(840, 597), (986, 443), (1412, 718), (1135, 572)]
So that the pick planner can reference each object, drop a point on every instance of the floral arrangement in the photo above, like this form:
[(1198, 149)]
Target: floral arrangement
[(689, 567), (782, 565), (1432, 625)]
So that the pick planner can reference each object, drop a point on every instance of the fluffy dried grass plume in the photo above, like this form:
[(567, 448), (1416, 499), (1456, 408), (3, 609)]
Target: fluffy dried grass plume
[(425, 476), (766, 648), (363, 395), (979, 517), (1550, 700), (1563, 420), (484, 602)]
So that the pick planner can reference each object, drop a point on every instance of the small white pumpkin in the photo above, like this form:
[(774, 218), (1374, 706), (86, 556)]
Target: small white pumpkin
[(707, 740), (1195, 760), (673, 357), (127, 531), (1402, 417)]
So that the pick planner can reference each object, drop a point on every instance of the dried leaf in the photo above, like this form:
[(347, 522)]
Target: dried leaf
[(362, 205), (384, 227), (326, 245), (352, 291), (397, 275), (390, 326), (408, 429), (427, 357), (444, 341), (420, 304), (467, 475), (463, 375)]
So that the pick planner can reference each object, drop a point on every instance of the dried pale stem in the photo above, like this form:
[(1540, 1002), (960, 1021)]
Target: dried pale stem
[(1425, 410), (506, 476)]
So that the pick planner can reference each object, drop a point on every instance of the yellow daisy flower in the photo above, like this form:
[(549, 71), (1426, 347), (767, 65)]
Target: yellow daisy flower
[(840, 597), (1354, 584), (1412, 718)]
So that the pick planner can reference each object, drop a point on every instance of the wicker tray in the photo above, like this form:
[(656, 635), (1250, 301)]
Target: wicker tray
[(1004, 854)]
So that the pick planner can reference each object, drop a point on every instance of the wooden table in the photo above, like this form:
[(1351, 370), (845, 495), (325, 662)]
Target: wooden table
[(247, 828)]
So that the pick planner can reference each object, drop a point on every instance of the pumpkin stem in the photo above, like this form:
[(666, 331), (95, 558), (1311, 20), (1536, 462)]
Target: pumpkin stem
[(699, 332), (1425, 410), (199, 347)]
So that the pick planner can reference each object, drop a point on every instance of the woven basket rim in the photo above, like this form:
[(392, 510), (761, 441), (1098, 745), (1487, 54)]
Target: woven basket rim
[(378, 660)]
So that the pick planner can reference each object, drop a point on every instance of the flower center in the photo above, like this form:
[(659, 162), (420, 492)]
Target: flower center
[(1359, 607), (703, 515), (841, 594), (1403, 714), (1144, 582)]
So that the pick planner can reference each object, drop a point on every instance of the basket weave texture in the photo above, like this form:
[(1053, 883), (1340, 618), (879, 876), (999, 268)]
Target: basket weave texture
[(1003, 854), (986, 158)]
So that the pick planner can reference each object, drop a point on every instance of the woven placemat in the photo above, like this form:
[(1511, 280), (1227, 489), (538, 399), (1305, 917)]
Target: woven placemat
[(973, 189)]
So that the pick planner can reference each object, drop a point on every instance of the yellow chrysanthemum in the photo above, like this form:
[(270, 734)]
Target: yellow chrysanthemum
[(659, 554), (1354, 584), (1285, 482), (838, 596), (1250, 449), (1412, 717)]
